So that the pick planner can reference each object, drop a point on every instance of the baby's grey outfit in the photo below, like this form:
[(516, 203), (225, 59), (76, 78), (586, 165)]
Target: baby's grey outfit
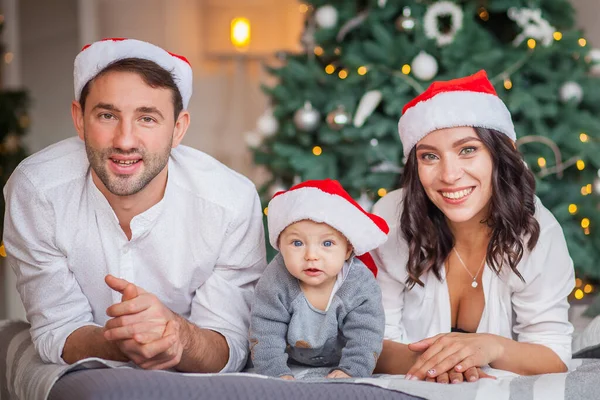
[(347, 336)]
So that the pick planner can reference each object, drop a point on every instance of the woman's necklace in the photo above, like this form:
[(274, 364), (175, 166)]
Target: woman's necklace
[(474, 283)]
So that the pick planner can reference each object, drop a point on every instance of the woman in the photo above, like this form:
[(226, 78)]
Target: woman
[(475, 271)]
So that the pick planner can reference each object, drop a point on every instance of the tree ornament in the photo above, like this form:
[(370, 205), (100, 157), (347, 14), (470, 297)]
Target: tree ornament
[(267, 124), (596, 185), (424, 66), (571, 91), (381, 3), (533, 25), (593, 58), (253, 139), (406, 23), (431, 21), (326, 16), (367, 104), (365, 201), (338, 118), (307, 119), (275, 188)]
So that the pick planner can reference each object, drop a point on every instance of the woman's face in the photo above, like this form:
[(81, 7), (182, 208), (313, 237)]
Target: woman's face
[(455, 169)]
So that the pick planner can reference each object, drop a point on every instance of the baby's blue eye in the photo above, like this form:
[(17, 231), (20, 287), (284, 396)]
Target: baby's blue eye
[(328, 243), (297, 243)]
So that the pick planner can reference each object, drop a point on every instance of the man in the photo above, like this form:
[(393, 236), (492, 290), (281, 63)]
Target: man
[(182, 232)]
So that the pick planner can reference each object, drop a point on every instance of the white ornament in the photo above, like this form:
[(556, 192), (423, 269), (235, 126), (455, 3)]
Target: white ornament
[(594, 59), (365, 202), (307, 119), (367, 104), (326, 16), (597, 186), (253, 139), (424, 66), (571, 91), (533, 25), (267, 124), (338, 118), (431, 26), (381, 3)]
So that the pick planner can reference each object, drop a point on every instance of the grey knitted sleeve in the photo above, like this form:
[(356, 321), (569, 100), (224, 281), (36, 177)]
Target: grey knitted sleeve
[(364, 324), (269, 321)]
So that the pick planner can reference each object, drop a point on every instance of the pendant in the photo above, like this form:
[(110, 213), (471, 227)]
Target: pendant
[(474, 284)]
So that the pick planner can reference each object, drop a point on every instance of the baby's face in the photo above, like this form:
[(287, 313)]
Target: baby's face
[(313, 252)]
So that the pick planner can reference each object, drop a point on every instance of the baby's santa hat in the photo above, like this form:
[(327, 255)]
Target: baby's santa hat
[(468, 101), (326, 201), (94, 57)]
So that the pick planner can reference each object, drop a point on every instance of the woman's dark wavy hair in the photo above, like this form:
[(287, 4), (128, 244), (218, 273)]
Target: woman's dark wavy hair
[(511, 216)]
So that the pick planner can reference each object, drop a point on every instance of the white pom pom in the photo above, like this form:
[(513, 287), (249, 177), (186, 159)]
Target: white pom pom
[(594, 57), (424, 66), (326, 16)]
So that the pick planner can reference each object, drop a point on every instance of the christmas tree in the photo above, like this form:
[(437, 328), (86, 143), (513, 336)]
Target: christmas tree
[(13, 124), (335, 109)]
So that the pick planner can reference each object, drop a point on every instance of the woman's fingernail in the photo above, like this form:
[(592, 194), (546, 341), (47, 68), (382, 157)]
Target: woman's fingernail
[(472, 379), (408, 376), (459, 367), (431, 372), (456, 381), (414, 378)]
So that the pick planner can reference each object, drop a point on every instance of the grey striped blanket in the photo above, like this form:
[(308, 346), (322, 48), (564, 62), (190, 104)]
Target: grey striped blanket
[(24, 376)]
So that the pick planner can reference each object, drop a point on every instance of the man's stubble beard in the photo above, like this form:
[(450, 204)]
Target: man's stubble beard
[(126, 185)]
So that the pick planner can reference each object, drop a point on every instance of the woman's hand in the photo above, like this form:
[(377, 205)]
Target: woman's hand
[(471, 375), (458, 352)]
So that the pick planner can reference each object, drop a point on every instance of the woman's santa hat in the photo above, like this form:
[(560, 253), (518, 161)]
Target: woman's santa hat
[(469, 101), (94, 57), (326, 201)]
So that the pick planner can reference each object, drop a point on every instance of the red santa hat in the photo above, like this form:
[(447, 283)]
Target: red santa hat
[(327, 202), (468, 101), (94, 57)]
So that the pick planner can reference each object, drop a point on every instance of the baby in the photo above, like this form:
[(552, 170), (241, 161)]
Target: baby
[(318, 303)]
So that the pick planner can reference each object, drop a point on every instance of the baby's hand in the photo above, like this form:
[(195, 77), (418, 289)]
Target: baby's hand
[(338, 374), (288, 377)]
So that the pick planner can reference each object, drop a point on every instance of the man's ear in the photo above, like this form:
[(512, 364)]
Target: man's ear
[(181, 126), (77, 115)]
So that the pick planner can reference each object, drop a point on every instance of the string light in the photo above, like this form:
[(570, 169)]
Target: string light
[(584, 191), (266, 211), (588, 188), (586, 231), (578, 282), (406, 69), (343, 74), (557, 36), (337, 51), (317, 150), (585, 223), (579, 294), (362, 70), (531, 43), (588, 288), (381, 192), (572, 209), (542, 162), (484, 14), (508, 84), (580, 165), (582, 42), (2, 249), (318, 51), (330, 69), (583, 137)]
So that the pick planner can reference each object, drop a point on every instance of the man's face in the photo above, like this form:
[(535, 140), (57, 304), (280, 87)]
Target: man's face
[(128, 128)]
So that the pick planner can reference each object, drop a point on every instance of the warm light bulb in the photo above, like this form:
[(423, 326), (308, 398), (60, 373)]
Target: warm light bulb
[(240, 32), (381, 192), (542, 162), (579, 294), (580, 165), (588, 188), (317, 150), (362, 70), (531, 43), (585, 223), (582, 42), (406, 69), (578, 282), (343, 74), (572, 208), (330, 69), (318, 51), (266, 210), (507, 84), (584, 191), (588, 288), (583, 137), (557, 36)]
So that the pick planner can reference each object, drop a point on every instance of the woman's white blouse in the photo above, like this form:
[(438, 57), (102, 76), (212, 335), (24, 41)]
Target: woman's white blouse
[(534, 311)]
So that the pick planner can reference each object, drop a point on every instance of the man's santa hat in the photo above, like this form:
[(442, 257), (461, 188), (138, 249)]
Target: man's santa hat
[(94, 57), (469, 101), (326, 201)]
